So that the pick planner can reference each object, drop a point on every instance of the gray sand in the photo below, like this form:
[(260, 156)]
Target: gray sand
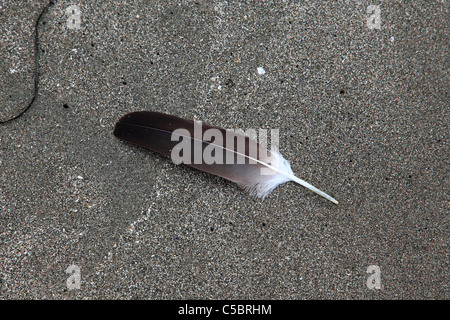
[(362, 113)]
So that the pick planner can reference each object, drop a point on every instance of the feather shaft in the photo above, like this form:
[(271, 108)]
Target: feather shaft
[(295, 179)]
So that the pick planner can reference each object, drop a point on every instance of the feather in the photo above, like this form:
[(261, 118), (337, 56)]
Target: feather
[(230, 155)]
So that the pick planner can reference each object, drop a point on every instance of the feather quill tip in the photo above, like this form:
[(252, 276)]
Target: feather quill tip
[(284, 174)]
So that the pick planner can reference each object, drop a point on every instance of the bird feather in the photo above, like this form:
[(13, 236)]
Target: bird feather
[(252, 166)]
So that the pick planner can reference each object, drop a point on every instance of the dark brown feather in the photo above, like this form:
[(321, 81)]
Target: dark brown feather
[(154, 131)]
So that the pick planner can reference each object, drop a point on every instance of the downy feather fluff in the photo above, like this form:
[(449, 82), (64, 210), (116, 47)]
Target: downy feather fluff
[(155, 131)]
